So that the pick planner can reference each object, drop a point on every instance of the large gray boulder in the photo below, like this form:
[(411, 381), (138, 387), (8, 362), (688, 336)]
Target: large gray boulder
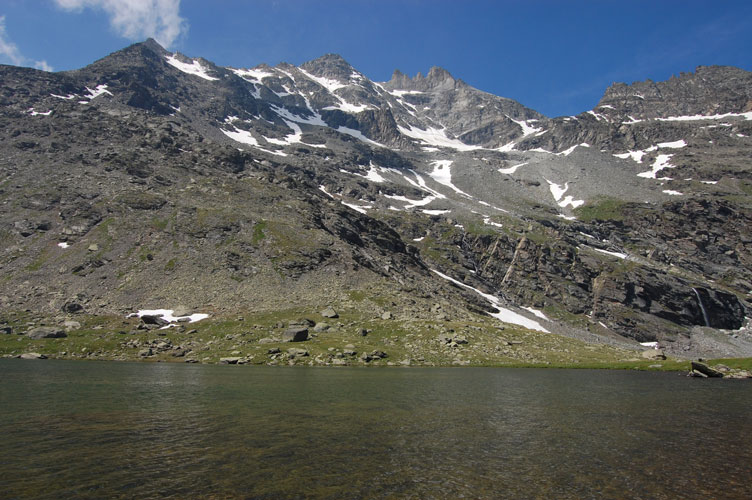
[(295, 334), (46, 332)]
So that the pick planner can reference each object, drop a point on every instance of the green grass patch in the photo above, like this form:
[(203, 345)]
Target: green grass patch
[(258, 232), (601, 209)]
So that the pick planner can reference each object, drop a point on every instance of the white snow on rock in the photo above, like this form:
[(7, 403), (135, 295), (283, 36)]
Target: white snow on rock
[(511, 170), (558, 192), (661, 162), (287, 115), (568, 152), (442, 173), (635, 155), (65, 97), (194, 68), (95, 92), (358, 135), (400, 93), (419, 239), (411, 203), (675, 144), (32, 112), (349, 107), (245, 137), (322, 188), (613, 254), (527, 129), (671, 192), (252, 75), (63, 244), (358, 208), (293, 138), (746, 116), (537, 313), (420, 183), (166, 314), (436, 137), (654, 345), (709, 182), (327, 83), (435, 212), (489, 222), (505, 315)]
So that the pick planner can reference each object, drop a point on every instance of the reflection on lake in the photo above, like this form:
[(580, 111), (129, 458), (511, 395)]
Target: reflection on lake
[(137, 430)]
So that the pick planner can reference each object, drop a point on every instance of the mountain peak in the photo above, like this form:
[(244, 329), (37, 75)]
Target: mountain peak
[(437, 79), (330, 66)]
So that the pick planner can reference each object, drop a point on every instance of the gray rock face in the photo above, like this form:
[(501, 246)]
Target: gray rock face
[(46, 332)]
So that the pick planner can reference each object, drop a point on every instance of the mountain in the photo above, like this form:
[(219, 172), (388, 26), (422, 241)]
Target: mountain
[(150, 179)]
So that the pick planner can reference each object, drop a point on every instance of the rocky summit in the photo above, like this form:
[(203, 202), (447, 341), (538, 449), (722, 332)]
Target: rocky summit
[(150, 179)]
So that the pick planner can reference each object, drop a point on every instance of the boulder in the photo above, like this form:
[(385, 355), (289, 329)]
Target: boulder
[(72, 308), (71, 325), (386, 316), (46, 332), (150, 319), (7, 330), (229, 361), (321, 327), (32, 355), (181, 311), (295, 334), (706, 370), (329, 313), (653, 354), (295, 352)]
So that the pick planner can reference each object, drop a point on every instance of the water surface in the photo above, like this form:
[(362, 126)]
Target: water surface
[(137, 430)]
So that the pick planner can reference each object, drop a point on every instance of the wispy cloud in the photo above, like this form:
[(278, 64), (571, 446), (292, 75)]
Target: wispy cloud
[(138, 19), (8, 48), (10, 51)]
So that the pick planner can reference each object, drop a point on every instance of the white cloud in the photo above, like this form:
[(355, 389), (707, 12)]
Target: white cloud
[(43, 65), (8, 48), (9, 51), (138, 19)]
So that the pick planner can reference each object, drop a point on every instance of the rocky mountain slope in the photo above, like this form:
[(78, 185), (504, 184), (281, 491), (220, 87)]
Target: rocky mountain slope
[(150, 179)]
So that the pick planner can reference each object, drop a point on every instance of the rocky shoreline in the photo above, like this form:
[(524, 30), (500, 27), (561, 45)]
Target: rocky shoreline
[(292, 338)]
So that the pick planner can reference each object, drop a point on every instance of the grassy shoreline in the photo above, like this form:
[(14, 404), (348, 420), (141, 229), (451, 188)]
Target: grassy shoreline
[(350, 339)]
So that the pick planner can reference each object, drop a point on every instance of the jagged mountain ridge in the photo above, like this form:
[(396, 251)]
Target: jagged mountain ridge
[(474, 185)]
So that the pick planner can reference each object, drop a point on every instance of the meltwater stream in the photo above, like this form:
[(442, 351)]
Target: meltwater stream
[(128, 430)]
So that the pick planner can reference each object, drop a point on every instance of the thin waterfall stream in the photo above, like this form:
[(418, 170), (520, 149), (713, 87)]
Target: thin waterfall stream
[(702, 307)]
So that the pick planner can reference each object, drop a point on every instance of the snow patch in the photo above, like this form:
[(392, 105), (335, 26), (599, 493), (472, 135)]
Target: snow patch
[(661, 162), (194, 68), (511, 170), (63, 244), (672, 193), (358, 135), (166, 314), (505, 315), (436, 137), (327, 83), (442, 173), (613, 254), (675, 144), (435, 212), (558, 192)]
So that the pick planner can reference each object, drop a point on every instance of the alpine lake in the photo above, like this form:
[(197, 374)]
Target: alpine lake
[(97, 429)]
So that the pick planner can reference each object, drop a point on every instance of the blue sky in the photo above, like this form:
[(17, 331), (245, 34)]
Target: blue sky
[(554, 56)]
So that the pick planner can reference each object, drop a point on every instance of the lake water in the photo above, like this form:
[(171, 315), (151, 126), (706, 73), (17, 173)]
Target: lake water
[(136, 430)]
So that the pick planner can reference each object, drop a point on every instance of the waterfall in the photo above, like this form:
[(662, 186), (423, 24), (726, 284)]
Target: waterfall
[(702, 307)]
